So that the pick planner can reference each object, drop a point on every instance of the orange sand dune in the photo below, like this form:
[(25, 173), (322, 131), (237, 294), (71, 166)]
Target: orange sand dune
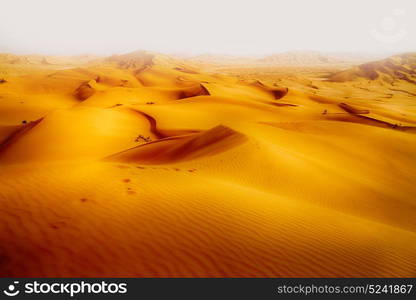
[(144, 165)]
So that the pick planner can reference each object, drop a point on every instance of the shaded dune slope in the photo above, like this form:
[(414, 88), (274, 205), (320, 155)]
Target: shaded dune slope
[(162, 133), (401, 67), (17, 134), (182, 148), (277, 92)]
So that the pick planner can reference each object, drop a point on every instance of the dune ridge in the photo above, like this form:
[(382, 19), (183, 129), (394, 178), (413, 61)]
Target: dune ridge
[(181, 148)]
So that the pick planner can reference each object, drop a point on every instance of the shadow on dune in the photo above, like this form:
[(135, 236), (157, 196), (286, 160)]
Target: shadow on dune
[(360, 119), (353, 110), (182, 148), (84, 91), (19, 133), (193, 91), (277, 92), (162, 133)]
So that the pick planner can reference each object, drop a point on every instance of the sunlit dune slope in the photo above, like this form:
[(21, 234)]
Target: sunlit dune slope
[(149, 166)]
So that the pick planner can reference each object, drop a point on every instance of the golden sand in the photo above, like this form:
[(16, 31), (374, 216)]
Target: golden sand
[(145, 165)]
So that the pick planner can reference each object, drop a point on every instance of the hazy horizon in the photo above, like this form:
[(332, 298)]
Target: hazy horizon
[(243, 28), (219, 55)]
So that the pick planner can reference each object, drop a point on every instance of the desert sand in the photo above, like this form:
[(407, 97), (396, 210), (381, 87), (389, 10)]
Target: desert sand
[(151, 166)]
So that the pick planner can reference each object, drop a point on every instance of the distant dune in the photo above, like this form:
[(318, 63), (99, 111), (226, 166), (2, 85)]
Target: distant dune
[(290, 58), (400, 67), (147, 165), (6, 58), (315, 58), (301, 58)]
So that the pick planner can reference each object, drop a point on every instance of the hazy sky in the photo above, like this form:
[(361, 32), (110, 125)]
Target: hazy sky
[(209, 26)]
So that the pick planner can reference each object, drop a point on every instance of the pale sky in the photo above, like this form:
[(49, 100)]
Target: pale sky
[(211, 26)]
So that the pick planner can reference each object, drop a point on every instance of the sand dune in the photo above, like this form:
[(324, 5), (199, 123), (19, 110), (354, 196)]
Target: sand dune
[(400, 67), (145, 165), (84, 91), (289, 58), (181, 148)]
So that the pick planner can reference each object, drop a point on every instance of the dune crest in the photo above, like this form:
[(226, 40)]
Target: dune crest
[(17, 134), (182, 148), (84, 91)]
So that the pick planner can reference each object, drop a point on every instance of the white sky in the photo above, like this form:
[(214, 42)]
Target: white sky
[(209, 26)]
